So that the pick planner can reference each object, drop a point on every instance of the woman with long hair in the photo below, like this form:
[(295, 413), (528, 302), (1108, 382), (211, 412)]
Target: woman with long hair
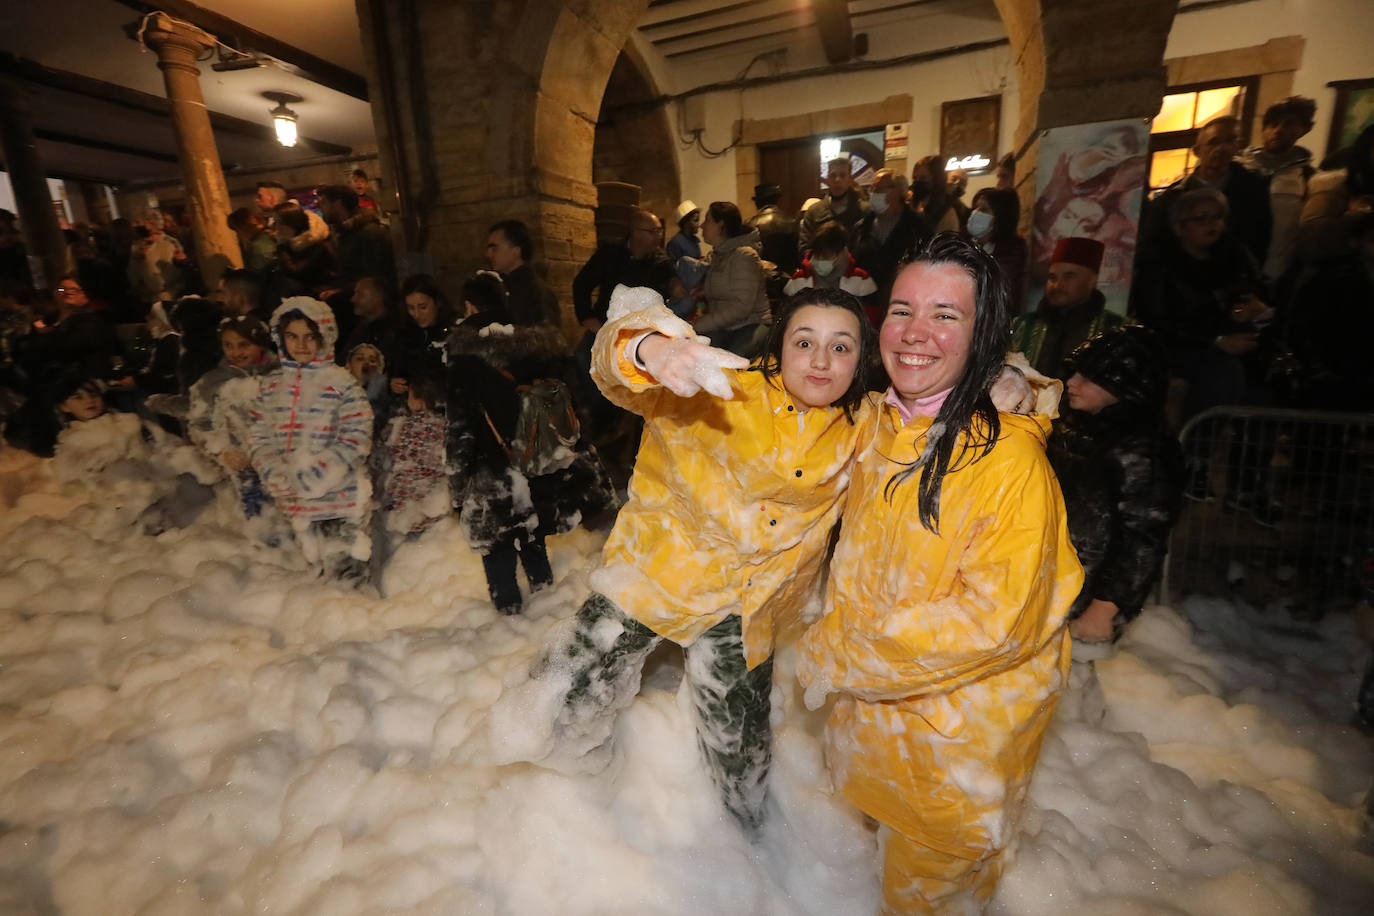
[(942, 632)]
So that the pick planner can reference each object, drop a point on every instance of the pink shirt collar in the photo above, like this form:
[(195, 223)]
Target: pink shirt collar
[(923, 407)]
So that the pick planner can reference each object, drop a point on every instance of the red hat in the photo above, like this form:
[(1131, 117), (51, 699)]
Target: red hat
[(1083, 252)]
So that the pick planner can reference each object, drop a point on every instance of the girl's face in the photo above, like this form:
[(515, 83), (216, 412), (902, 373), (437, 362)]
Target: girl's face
[(1086, 395), (302, 344), (415, 403), (364, 364), (422, 309), (239, 351), (928, 333), (84, 405), (820, 354)]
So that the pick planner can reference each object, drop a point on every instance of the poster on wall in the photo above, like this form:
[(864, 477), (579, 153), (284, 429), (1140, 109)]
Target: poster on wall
[(1352, 113), (1090, 181)]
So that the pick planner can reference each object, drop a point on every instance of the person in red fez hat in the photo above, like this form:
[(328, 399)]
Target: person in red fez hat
[(1072, 311)]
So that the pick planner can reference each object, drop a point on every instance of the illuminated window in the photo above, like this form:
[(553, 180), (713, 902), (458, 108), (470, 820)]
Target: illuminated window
[(1182, 113)]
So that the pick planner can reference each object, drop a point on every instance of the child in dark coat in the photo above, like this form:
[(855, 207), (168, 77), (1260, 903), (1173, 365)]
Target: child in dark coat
[(1121, 471)]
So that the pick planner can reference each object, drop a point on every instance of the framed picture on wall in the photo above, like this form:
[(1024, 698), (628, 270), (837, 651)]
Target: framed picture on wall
[(969, 134), (1352, 113)]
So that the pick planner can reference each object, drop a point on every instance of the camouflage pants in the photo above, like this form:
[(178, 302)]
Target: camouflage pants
[(732, 703)]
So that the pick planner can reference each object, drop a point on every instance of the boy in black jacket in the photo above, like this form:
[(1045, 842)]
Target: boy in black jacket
[(1121, 471)]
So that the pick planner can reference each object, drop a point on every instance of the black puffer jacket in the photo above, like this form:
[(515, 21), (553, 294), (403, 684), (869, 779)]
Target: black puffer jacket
[(485, 372), (1121, 471)]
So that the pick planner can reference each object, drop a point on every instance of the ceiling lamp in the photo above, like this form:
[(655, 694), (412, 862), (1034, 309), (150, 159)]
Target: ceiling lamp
[(283, 118)]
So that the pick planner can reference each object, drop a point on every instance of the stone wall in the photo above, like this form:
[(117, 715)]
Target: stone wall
[(487, 111)]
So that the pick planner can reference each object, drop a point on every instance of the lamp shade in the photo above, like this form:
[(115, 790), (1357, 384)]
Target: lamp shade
[(283, 118)]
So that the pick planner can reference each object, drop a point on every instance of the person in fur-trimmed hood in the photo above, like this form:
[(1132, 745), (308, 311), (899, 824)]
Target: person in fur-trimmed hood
[(506, 515), (309, 436), (1121, 471)]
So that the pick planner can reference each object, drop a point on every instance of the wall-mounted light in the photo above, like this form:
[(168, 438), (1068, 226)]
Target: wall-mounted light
[(283, 118)]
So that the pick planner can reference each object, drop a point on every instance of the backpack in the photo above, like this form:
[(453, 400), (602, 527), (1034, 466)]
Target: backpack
[(546, 429)]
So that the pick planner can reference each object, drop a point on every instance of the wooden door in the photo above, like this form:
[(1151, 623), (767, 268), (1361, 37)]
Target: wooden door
[(794, 166)]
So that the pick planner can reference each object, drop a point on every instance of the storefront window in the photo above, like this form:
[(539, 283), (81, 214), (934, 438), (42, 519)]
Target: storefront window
[(1182, 113)]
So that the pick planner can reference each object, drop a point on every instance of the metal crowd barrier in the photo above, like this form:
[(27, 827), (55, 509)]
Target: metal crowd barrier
[(1281, 507)]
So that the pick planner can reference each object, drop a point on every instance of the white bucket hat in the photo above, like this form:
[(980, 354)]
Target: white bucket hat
[(685, 209)]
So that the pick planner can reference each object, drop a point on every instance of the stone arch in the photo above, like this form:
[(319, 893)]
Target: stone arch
[(634, 138), (487, 111)]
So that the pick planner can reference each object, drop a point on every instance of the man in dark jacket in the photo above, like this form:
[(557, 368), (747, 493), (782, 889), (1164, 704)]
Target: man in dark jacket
[(887, 233), (1072, 311), (529, 300), (638, 261), (1121, 471), (1247, 194), (778, 233), (842, 203)]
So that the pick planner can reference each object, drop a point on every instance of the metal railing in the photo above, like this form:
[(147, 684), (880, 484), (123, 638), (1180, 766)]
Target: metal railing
[(1280, 507)]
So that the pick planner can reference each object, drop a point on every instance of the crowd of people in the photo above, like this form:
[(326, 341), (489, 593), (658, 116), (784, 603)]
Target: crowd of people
[(842, 399)]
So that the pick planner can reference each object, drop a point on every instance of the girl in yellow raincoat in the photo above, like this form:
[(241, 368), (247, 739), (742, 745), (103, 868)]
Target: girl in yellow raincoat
[(942, 631), (735, 494)]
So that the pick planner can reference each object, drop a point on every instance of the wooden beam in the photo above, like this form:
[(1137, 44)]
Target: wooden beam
[(296, 60), (134, 100), (837, 33), (57, 136)]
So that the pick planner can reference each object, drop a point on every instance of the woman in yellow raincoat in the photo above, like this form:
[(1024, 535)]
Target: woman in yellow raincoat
[(942, 631), (735, 494)]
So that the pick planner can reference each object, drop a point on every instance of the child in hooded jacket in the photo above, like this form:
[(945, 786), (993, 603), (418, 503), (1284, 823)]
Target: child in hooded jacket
[(309, 438), (218, 417), (1121, 471)]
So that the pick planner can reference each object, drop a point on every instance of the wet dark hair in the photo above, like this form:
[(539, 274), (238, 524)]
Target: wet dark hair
[(967, 417), (485, 291), (426, 285), (729, 217), (770, 363)]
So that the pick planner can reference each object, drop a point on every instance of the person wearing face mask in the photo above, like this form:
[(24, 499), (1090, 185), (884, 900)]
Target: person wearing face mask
[(992, 226), (889, 232), (930, 195), (829, 265)]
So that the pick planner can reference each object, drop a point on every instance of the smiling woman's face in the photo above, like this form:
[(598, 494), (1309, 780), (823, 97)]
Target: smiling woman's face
[(928, 332)]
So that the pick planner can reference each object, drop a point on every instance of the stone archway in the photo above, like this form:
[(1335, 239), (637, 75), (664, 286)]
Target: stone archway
[(634, 139), (488, 111)]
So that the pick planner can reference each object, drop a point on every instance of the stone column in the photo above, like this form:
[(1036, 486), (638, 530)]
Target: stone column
[(42, 235), (178, 44)]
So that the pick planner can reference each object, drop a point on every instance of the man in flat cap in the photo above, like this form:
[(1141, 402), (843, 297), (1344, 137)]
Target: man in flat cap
[(1072, 311)]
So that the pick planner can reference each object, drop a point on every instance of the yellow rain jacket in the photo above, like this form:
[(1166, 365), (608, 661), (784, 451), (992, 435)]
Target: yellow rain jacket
[(731, 504), (948, 651)]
